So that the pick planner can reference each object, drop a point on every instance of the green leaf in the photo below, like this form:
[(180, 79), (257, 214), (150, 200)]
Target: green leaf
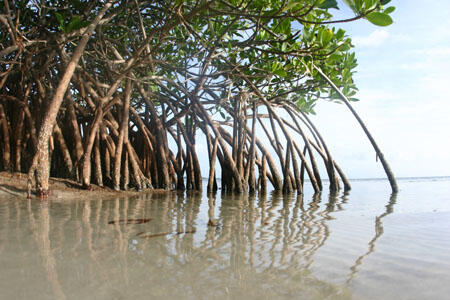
[(290, 6), (329, 4), (379, 19), (285, 26), (281, 73), (384, 2), (389, 10), (335, 57), (358, 5), (275, 66), (370, 4), (60, 20), (326, 37), (340, 34), (75, 24)]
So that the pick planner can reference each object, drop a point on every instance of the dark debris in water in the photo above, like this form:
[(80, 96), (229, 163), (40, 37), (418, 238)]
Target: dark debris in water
[(212, 223), (130, 221), (147, 235)]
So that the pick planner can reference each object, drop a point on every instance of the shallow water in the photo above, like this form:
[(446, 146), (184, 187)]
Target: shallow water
[(363, 245)]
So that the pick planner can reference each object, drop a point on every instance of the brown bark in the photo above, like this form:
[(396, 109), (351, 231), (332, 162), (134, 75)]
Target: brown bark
[(6, 144), (314, 167), (334, 185), (276, 117), (344, 179), (263, 175), (189, 171), (278, 148), (76, 136), (273, 142), (276, 178), (126, 172), (107, 164), (40, 162), (18, 137), (212, 166), (250, 170), (287, 187), (180, 181), (108, 141), (308, 170), (86, 162), (212, 152), (298, 181), (235, 173), (161, 154), (241, 139), (98, 163), (123, 135), (63, 148), (135, 168), (196, 166), (302, 167)]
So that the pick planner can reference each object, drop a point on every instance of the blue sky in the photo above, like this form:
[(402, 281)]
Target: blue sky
[(403, 76)]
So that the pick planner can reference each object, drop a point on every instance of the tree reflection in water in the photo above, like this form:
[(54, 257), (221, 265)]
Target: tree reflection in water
[(379, 230), (191, 245)]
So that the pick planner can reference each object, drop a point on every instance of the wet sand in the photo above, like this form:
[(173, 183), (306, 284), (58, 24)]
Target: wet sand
[(15, 184)]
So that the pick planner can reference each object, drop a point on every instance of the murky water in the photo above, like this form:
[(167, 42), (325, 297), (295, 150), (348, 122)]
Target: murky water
[(363, 245)]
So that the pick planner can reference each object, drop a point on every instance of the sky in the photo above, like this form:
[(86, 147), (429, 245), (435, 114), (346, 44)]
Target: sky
[(403, 76)]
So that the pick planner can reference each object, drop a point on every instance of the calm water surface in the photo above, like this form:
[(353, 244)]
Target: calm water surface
[(365, 244)]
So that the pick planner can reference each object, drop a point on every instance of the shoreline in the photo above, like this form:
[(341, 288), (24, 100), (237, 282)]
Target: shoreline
[(15, 184)]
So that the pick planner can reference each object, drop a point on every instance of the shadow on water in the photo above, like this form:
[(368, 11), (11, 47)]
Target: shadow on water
[(176, 245)]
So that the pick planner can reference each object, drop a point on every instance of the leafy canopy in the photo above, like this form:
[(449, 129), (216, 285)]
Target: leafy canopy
[(213, 50)]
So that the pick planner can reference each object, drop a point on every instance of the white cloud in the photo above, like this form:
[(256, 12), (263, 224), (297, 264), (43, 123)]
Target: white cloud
[(432, 52), (431, 61), (439, 51), (415, 66), (374, 39)]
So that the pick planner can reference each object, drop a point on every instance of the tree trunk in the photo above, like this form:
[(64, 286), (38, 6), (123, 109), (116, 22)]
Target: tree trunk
[(64, 150), (123, 135), (76, 137), (86, 162), (126, 172), (18, 137), (308, 170), (40, 162), (6, 145), (250, 170), (212, 166), (263, 175), (98, 162)]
